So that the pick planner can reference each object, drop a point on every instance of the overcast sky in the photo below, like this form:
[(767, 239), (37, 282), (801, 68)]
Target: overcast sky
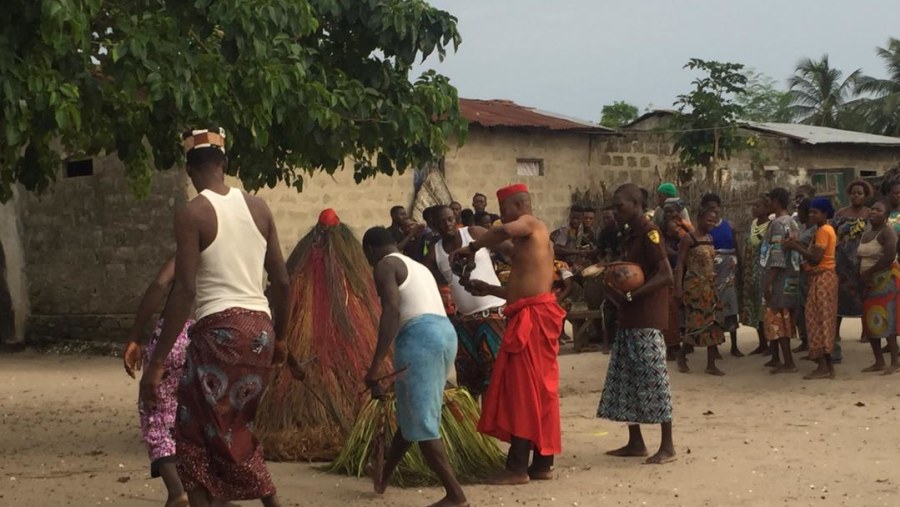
[(574, 56)]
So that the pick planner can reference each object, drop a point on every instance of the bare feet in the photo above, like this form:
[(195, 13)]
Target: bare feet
[(715, 372), (873, 368), (819, 374), (661, 457), (541, 475), (683, 366), (629, 452), (760, 350), (737, 353), (181, 501), (450, 502), (506, 478), (783, 369), (890, 370), (773, 363)]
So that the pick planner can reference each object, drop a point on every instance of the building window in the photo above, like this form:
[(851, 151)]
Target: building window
[(78, 168), (529, 167)]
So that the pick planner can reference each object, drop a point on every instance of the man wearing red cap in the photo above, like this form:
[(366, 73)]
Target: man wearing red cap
[(521, 405)]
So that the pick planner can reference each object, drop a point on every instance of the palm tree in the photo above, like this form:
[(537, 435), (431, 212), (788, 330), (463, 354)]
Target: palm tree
[(820, 93), (881, 108)]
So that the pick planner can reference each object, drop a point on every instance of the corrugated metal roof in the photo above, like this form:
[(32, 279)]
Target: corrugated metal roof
[(650, 114), (809, 134), (506, 113)]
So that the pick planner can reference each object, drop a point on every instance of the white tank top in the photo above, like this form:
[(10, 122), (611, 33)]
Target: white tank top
[(232, 268), (419, 294), (467, 304)]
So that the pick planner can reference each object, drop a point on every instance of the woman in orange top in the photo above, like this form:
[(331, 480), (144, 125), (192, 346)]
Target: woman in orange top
[(821, 303)]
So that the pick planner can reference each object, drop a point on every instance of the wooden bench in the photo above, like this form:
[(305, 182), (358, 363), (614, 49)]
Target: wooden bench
[(581, 317)]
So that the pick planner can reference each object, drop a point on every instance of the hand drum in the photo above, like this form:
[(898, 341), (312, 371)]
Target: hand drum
[(624, 276)]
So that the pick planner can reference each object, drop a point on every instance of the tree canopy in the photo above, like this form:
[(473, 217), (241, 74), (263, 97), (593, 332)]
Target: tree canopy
[(820, 92), (763, 101), (618, 114), (880, 105), (299, 85), (706, 128)]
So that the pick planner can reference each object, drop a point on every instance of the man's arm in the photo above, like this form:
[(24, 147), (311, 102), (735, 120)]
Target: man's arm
[(389, 324), (520, 228), (279, 281), (181, 299), (153, 297), (505, 248), (480, 288), (662, 278)]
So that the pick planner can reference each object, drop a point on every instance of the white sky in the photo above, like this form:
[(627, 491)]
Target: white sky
[(574, 56)]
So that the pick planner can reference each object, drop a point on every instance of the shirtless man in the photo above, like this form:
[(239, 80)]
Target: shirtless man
[(521, 405)]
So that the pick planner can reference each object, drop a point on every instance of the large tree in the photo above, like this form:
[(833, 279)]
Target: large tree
[(881, 106), (706, 128), (618, 114), (764, 101), (299, 85), (820, 93)]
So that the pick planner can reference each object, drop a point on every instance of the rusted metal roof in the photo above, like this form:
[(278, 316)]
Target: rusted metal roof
[(506, 113), (809, 134)]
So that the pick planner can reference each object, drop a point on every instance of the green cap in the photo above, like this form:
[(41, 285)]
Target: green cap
[(668, 189)]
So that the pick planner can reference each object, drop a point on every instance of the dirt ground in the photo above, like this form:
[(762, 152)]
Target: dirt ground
[(69, 436)]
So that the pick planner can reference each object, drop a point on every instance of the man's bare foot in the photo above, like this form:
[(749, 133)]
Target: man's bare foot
[(873, 368), (762, 349), (819, 374), (450, 502), (715, 372), (181, 501), (629, 452), (783, 369), (507, 478), (773, 363), (890, 369), (541, 475), (737, 353), (661, 458)]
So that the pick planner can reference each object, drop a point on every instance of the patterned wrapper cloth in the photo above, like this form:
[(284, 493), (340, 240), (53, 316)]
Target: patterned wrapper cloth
[(821, 307), (228, 364), (479, 338), (158, 425), (637, 386)]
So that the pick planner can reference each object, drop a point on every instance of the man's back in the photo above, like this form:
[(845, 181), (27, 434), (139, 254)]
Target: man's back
[(233, 252), (532, 263)]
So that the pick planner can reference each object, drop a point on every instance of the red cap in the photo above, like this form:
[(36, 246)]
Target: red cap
[(329, 218), (511, 190)]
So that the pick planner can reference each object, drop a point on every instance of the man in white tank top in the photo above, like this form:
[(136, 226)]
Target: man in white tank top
[(226, 240), (479, 321), (414, 320)]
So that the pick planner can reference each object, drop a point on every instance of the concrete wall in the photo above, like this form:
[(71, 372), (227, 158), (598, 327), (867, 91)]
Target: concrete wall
[(91, 249), (16, 281)]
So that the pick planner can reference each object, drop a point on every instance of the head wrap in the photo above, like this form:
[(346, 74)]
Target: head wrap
[(822, 204), (511, 190), (329, 218), (668, 189), (204, 138)]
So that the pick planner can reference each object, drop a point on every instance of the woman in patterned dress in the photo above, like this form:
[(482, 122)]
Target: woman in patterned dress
[(821, 301), (726, 267), (849, 223), (751, 306), (158, 423), (879, 274), (695, 286)]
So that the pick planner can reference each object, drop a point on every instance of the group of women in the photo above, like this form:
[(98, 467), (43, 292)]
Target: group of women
[(849, 268)]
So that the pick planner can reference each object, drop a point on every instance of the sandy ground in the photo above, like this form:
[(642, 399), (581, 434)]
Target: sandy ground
[(69, 436)]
